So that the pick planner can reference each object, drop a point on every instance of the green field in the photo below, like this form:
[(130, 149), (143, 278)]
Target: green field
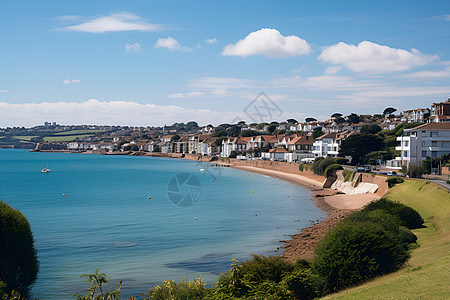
[(65, 138), (79, 131), (427, 273), (25, 137)]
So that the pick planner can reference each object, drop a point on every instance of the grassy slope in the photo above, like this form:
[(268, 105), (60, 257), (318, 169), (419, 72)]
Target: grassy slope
[(65, 138), (427, 274), (79, 131)]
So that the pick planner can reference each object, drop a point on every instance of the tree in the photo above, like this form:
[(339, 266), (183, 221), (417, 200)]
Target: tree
[(190, 125), (307, 120), (336, 115), (271, 128), (389, 111), (134, 148), (246, 133), (18, 260), (291, 121), (358, 145), (371, 128), (318, 132), (175, 138), (353, 118)]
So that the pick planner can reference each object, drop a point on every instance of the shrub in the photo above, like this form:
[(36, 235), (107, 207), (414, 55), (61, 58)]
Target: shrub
[(96, 281), (300, 167), (341, 160), (348, 175), (265, 268), (381, 217), (355, 252), (315, 164), (18, 260), (324, 164), (233, 154), (408, 216), (183, 290), (393, 181), (406, 235), (332, 168), (302, 284)]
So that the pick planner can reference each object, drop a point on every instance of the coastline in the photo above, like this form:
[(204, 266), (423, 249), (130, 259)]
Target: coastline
[(301, 245)]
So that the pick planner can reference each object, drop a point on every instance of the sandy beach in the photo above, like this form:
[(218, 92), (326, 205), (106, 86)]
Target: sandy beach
[(337, 206)]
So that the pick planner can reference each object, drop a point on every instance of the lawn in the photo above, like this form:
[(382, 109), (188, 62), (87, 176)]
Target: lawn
[(427, 274), (79, 131), (65, 138), (24, 137)]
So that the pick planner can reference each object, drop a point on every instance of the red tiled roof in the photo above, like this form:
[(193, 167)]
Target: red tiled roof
[(436, 125), (278, 150)]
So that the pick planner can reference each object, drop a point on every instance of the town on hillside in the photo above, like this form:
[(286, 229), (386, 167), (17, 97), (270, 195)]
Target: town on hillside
[(392, 140)]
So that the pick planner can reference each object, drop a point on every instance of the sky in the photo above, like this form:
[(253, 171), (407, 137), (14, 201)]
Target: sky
[(151, 63)]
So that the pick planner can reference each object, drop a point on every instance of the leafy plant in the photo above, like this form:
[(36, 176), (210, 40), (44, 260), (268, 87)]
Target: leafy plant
[(393, 181), (96, 281), (183, 290)]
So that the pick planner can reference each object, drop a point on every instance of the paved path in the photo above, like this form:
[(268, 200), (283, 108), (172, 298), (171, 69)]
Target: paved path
[(442, 183)]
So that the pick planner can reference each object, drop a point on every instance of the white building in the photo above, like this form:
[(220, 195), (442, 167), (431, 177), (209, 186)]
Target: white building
[(432, 139), (328, 144)]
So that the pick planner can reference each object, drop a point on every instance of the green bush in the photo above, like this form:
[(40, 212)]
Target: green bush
[(406, 235), (233, 154), (381, 217), (355, 252), (300, 167), (315, 164), (265, 268), (408, 216), (18, 260), (324, 164), (348, 175), (184, 290), (394, 180), (332, 168), (341, 160), (302, 284)]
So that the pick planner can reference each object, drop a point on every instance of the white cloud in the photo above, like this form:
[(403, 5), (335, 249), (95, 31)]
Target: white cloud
[(374, 58), (325, 83), (68, 18), (171, 44), (4, 91), (186, 95), (68, 81), (124, 21), (333, 70), (133, 48), (268, 42), (446, 17), (435, 74), (106, 112), (211, 41)]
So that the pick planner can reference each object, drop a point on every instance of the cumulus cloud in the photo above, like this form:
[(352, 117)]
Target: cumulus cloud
[(333, 70), (374, 58), (4, 91), (270, 43), (68, 81), (133, 48), (211, 41), (106, 112), (171, 44), (124, 21)]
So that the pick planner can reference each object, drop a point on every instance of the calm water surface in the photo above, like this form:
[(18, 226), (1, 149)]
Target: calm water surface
[(106, 220)]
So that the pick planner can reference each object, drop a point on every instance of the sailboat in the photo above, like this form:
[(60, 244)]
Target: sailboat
[(45, 169)]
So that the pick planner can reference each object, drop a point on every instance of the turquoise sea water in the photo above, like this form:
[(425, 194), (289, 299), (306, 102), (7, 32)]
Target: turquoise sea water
[(106, 220)]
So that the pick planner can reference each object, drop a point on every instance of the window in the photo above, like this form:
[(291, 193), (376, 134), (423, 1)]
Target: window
[(406, 143), (424, 153), (405, 153), (424, 133), (424, 143)]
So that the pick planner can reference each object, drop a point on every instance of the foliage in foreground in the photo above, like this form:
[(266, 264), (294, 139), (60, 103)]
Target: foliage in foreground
[(183, 290), (18, 260), (96, 281)]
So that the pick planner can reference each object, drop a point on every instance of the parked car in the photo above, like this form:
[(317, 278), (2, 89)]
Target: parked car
[(392, 173), (367, 168), (360, 169)]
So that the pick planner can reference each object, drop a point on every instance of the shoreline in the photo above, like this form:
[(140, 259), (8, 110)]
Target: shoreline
[(301, 245)]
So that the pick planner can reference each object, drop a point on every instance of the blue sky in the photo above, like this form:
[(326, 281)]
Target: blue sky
[(158, 62)]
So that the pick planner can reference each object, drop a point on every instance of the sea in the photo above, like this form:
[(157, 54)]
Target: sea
[(144, 220)]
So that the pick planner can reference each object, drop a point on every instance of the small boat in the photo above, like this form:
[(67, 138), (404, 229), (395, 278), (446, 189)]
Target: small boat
[(45, 169)]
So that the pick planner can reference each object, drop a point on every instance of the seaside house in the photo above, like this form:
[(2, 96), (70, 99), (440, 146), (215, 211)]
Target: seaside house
[(328, 144), (440, 112), (278, 154), (431, 139), (234, 144), (301, 147)]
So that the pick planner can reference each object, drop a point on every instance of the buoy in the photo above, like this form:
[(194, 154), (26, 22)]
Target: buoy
[(149, 197), (252, 192), (64, 195), (195, 218), (202, 170)]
